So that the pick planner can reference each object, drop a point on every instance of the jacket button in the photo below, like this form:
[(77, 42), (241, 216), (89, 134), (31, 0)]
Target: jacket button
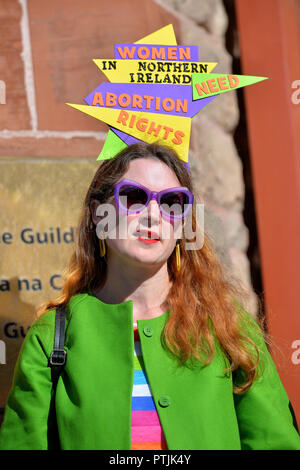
[(164, 401), (148, 331)]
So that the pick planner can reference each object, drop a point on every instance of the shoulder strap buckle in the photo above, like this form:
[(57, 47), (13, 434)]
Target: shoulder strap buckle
[(58, 357)]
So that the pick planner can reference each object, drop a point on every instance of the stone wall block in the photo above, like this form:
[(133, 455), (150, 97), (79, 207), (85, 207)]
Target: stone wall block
[(234, 229), (208, 13), (241, 271), (237, 232), (215, 165), (211, 49), (224, 111), (214, 228), (218, 21)]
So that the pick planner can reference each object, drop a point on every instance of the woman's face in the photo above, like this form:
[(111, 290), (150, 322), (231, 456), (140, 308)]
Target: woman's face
[(156, 176)]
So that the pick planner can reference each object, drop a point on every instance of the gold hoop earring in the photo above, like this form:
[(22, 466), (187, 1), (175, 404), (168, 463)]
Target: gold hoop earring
[(102, 245), (178, 255)]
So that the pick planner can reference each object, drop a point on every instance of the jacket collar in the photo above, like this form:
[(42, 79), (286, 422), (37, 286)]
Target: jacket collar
[(125, 309)]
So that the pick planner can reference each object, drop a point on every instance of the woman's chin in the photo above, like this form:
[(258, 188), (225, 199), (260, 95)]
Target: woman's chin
[(144, 257)]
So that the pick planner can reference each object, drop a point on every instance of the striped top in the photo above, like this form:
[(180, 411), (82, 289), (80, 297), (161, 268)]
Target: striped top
[(146, 430)]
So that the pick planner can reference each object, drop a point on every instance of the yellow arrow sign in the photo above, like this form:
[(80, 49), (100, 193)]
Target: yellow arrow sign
[(173, 131), (156, 72)]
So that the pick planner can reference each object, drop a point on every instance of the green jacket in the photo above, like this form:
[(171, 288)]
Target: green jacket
[(93, 396)]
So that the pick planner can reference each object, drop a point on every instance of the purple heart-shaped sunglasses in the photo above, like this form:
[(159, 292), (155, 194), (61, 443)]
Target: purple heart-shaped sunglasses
[(132, 197)]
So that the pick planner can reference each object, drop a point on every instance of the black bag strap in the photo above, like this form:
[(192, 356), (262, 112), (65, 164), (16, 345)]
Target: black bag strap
[(58, 355)]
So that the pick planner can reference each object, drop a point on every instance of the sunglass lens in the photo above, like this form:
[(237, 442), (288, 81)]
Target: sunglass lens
[(173, 203), (130, 196)]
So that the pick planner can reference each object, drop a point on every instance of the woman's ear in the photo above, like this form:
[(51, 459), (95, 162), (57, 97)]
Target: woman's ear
[(94, 204)]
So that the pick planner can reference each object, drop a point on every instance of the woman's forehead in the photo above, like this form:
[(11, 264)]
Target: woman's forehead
[(152, 173)]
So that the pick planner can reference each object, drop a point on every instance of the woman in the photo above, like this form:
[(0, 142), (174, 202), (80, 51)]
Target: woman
[(160, 354)]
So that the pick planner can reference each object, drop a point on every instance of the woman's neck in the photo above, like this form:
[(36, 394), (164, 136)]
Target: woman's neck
[(148, 288)]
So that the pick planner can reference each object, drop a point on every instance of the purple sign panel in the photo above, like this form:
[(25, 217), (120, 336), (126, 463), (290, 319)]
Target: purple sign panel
[(156, 52), (167, 99)]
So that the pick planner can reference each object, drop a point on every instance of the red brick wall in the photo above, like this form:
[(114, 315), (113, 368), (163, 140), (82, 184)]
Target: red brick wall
[(46, 53)]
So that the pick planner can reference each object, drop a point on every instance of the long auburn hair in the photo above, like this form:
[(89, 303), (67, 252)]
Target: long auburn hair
[(205, 300)]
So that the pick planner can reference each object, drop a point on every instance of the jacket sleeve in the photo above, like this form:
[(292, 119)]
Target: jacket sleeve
[(264, 413), (26, 418)]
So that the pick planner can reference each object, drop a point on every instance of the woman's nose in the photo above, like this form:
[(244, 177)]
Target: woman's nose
[(153, 208), (152, 212)]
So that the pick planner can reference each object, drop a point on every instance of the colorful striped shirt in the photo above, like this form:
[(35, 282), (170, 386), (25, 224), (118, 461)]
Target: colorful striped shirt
[(146, 430)]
